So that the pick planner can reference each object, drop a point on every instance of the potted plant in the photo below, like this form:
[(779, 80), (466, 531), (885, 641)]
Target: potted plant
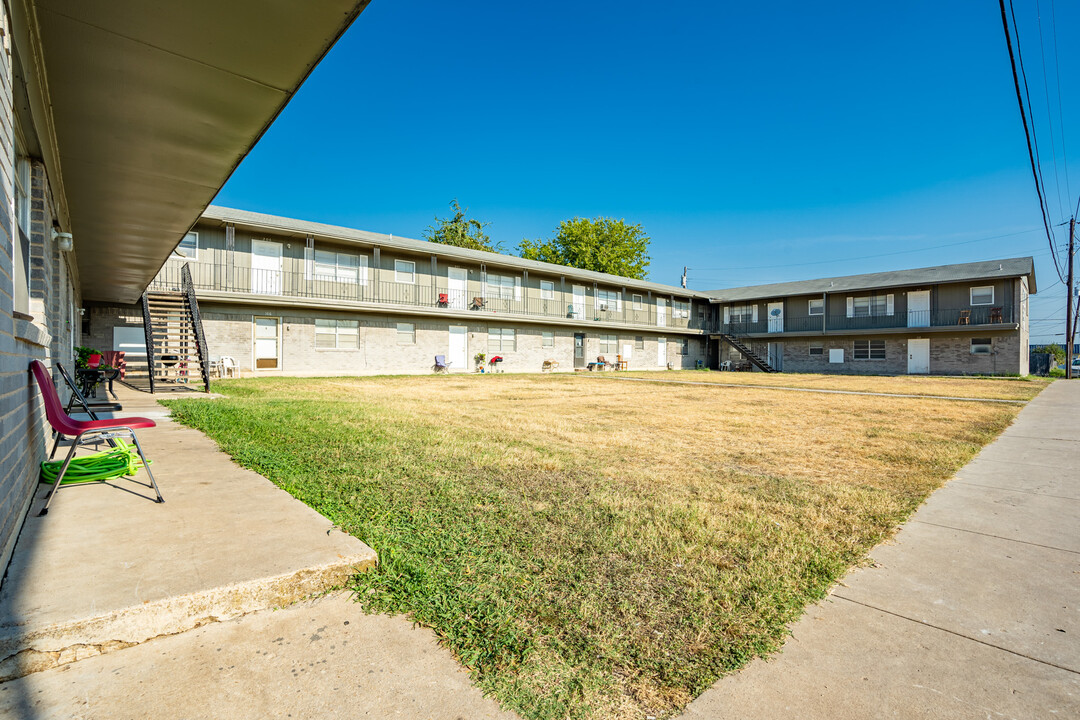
[(479, 359)]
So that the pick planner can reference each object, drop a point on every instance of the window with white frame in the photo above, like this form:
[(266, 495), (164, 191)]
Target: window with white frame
[(501, 340), (682, 346), (406, 333), (188, 249), (982, 346), (680, 309), (636, 300), (503, 287), (547, 339), (870, 306), (20, 242), (815, 306), (337, 334), (742, 313), (547, 290), (869, 350), (983, 295), (608, 300), (405, 272), (639, 342), (817, 348), (340, 267), (609, 344)]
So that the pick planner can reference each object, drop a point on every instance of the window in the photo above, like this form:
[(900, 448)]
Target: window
[(743, 313), (636, 299), (870, 306), (982, 295), (680, 309), (405, 271), (869, 350), (188, 249), (501, 340), (817, 349), (340, 267), (547, 339), (682, 346), (639, 342), (20, 241), (815, 307), (337, 334), (609, 344), (981, 346), (608, 299), (503, 287), (406, 333), (547, 290)]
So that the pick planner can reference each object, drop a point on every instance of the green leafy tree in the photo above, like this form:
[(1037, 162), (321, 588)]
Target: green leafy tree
[(604, 245), (461, 231), (1054, 349)]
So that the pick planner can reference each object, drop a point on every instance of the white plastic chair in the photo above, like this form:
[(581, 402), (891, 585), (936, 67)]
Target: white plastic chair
[(228, 366)]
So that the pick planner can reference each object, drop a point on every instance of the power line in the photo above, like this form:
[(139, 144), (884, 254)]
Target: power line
[(1024, 119), (1049, 112), (1061, 119)]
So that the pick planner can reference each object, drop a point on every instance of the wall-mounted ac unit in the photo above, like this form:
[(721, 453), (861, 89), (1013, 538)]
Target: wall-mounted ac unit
[(603, 306)]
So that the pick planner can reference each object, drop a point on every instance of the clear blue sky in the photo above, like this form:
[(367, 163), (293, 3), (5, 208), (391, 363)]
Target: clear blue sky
[(755, 142)]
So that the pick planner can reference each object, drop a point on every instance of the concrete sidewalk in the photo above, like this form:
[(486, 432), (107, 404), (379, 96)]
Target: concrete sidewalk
[(973, 611)]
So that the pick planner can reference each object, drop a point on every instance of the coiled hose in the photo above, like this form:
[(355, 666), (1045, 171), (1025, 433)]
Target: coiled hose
[(117, 462)]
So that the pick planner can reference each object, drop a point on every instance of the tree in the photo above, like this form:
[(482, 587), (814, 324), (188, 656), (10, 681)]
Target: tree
[(461, 231), (605, 245), (1053, 349)]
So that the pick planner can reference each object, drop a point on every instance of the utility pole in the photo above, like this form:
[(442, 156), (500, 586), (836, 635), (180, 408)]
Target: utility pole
[(684, 277), (1069, 319)]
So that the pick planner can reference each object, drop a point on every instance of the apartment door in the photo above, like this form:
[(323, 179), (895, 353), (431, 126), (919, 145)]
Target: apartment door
[(918, 359), (579, 301), (267, 343), (661, 312), (458, 352), (579, 350), (776, 318), (776, 355), (457, 287), (661, 351), (265, 267), (918, 308)]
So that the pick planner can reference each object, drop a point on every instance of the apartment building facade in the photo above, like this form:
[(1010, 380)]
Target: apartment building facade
[(282, 296), (963, 319)]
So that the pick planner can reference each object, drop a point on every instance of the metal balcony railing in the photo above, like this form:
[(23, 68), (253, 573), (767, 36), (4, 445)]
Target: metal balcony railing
[(360, 286), (942, 317)]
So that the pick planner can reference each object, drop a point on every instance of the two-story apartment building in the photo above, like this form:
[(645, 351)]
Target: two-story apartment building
[(969, 318), (282, 296)]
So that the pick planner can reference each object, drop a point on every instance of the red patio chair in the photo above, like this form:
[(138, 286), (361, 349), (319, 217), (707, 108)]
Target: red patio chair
[(84, 432)]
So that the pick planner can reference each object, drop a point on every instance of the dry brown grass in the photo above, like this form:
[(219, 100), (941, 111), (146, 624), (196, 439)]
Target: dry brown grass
[(593, 548), (965, 387)]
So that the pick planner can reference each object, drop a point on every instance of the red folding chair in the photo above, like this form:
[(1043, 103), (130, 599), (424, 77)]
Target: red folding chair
[(84, 432)]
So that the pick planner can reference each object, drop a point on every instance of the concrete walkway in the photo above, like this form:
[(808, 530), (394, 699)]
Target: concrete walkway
[(973, 611)]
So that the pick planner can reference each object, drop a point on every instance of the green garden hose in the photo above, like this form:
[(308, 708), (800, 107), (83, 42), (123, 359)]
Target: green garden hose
[(117, 462)]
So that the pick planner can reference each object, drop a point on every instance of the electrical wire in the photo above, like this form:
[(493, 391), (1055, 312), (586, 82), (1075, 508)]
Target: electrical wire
[(1061, 119), (1049, 112)]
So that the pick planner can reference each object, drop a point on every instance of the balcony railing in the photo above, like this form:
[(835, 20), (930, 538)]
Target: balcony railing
[(528, 302), (944, 317)]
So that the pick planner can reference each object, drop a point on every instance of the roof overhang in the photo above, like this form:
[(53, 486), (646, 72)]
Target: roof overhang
[(145, 109)]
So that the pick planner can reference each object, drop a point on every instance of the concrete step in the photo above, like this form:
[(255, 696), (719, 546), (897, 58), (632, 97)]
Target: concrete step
[(106, 570)]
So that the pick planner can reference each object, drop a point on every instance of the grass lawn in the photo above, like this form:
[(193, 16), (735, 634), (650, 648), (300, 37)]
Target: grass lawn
[(594, 549), (995, 388)]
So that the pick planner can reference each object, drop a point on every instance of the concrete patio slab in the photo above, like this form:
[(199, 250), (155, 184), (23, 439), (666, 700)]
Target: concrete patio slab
[(108, 567), (317, 659)]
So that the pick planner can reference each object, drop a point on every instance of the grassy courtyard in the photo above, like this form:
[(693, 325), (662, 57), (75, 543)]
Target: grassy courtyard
[(596, 549)]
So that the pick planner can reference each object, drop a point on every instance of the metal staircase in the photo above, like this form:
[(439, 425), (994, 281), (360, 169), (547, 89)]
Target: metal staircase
[(754, 358), (175, 345)]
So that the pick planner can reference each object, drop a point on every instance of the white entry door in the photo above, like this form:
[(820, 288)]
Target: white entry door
[(265, 267), (661, 312), (776, 317), (457, 287), (661, 352), (267, 343), (579, 301), (458, 352), (918, 359), (918, 308)]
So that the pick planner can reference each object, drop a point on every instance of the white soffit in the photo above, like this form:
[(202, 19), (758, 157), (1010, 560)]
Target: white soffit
[(155, 104)]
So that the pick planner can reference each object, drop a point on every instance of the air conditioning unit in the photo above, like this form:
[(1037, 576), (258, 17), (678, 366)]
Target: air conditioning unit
[(603, 306)]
